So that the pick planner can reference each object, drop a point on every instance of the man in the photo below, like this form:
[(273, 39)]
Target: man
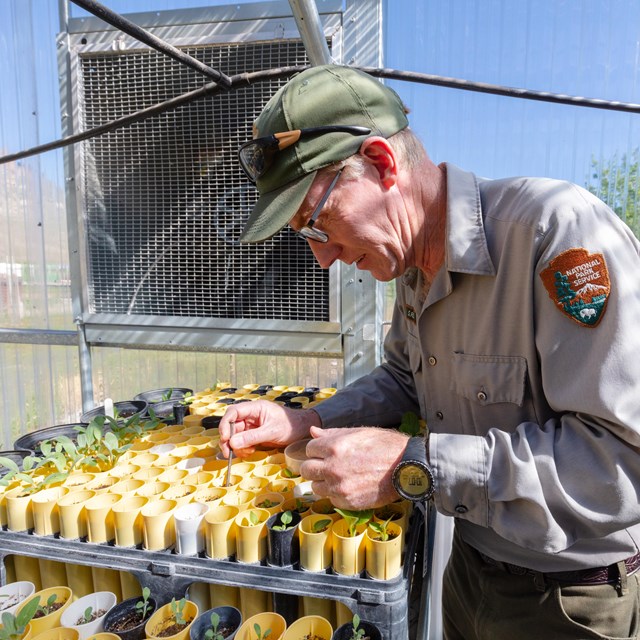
[(514, 335)]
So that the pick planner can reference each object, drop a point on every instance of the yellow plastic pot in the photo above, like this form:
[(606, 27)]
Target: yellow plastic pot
[(19, 509), (46, 513), (158, 527), (348, 551), (266, 620), (59, 633), (309, 627), (51, 620), (220, 531), (251, 539), (73, 515), (383, 558), (315, 546), (100, 525), (128, 521), (164, 617)]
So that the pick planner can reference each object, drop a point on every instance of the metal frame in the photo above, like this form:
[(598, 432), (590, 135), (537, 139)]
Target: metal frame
[(355, 309)]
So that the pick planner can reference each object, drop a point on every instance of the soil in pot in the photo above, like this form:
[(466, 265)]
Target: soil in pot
[(94, 615), (127, 618), (228, 621), (346, 631)]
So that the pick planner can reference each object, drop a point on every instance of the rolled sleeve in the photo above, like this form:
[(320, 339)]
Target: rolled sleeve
[(459, 465)]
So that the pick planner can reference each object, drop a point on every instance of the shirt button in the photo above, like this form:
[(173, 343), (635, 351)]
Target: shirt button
[(460, 508), (482, 396), (432, 361), (439, 415)]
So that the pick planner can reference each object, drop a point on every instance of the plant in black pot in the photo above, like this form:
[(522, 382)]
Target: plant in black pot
[(164, 395), (357, 630), (219, 623), (122, 410), (31, 441), (128, 618), (17, 456), (283, 545)]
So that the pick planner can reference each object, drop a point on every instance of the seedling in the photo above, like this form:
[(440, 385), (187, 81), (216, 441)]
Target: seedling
[(259, 634), (381, 528), (48, 607), (251, 520), (187, 399), (266, 504), (321, 525), (357, 633), (167, 395), (88, 615), (355, 519), (285, 521), (287, 473), (177, 608), (142, 606), (13, 627), (213, 633)]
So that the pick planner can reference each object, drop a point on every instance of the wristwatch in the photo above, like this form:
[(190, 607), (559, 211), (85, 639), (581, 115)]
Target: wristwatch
[(413, 478)]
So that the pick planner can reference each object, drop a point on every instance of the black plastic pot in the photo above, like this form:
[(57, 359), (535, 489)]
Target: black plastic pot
[(230, 617), (162, 395), (283, 546), (210, 422), (120, 612), (31, 441), (125, 409), (15, 456), (345, 632), (169, 411)]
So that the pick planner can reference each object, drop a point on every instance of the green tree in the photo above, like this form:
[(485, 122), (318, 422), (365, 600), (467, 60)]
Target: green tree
[(616, 181)]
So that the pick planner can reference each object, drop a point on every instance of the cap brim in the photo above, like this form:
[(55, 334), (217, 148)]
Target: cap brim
[(274, 210)]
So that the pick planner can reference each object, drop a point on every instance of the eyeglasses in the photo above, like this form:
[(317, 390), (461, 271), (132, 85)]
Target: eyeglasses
[(308, 232), (256, 156)]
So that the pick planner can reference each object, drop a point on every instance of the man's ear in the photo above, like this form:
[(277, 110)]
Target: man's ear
[(381, 155)]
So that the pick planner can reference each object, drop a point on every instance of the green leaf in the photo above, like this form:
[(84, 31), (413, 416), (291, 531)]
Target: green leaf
[(110, 441), (410, 424), (320, 525), (9, 464)]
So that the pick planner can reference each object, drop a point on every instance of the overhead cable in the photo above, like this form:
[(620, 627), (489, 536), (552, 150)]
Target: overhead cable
[(132, 29), (245, 79)]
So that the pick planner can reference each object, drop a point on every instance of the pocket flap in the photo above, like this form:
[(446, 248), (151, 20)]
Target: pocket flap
[(489, 379)]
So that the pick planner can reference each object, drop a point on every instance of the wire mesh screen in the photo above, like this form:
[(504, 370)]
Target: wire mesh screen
[(165, 199)]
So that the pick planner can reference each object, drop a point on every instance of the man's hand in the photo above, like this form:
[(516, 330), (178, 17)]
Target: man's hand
[(354, 467), (261, 422)]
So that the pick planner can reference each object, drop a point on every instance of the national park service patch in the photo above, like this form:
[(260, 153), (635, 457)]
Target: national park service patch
[(578, 282)]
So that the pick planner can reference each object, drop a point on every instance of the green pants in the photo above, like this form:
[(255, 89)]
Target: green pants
[(485, 602)]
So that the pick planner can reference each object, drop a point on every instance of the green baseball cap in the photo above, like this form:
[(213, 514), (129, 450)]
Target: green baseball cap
[(320, 96)]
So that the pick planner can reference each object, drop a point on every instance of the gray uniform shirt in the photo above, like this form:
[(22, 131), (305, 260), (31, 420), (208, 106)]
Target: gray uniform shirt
[(531, 391)]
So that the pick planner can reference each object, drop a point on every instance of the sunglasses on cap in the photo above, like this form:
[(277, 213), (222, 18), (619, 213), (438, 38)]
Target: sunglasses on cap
[(256, 156)]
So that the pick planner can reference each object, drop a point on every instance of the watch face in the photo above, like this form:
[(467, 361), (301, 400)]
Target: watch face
[(414, 481)]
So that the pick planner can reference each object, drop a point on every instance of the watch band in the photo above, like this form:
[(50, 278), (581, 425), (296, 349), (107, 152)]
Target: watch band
[(414, 462), (416, 450)]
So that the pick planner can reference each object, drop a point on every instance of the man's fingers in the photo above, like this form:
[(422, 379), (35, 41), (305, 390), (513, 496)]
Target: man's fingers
[(320, 488)]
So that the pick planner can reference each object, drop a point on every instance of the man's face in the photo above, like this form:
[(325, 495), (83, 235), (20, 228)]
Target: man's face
[(359, 219)]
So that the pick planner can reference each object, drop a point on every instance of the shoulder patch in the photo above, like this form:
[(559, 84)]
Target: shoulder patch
[(578, 283)]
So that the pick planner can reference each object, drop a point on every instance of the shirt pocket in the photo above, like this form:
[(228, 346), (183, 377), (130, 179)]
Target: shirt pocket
[(492, 391)]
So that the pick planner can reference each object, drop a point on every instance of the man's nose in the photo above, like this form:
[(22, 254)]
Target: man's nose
[(325, 253)]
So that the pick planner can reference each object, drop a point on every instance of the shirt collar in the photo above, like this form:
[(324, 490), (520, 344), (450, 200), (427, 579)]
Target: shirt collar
[(466, 250)]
